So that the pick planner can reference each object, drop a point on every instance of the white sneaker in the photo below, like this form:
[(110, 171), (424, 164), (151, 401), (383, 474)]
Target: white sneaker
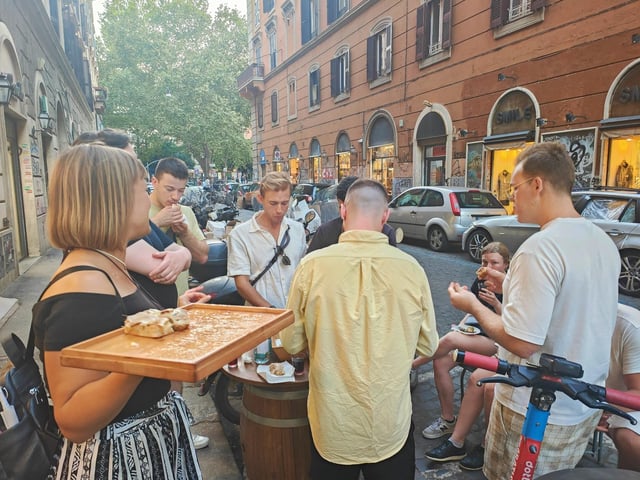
[(199, 441), (439, 428)]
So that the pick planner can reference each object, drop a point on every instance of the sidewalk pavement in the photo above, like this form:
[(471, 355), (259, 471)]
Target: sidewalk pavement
[(217, 461)]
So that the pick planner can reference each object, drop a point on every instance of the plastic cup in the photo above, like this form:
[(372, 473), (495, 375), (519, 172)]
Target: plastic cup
[(298, 364)]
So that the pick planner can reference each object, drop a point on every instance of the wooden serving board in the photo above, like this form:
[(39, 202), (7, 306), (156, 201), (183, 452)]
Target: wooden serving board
[(216, 335)]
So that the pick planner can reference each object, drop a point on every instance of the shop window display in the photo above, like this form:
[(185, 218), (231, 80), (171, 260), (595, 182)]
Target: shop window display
[(382, 159), (624, 162), (344, 164), (503, 162)]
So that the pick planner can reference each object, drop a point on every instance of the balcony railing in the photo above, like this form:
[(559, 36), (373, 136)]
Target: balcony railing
[(435, 48), (520, 10), (252, 77)]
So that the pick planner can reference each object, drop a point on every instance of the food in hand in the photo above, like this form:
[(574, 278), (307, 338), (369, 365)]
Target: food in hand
[(467, 329), (155, 323), (482, 273), (276, 369)]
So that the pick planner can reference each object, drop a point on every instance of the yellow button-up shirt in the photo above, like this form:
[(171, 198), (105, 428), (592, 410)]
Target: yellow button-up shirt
[(363, 308)]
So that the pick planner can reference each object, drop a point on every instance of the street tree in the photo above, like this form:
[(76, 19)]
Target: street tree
[(171, 73)]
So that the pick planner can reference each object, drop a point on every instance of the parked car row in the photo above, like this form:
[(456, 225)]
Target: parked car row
[(440, 215), (616, 211), (246, 194)]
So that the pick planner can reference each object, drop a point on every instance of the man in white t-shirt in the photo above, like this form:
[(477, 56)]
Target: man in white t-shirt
[(559, 297), (624, 374)]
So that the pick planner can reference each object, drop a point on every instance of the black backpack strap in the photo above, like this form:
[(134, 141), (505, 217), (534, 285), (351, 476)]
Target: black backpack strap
[(15, 349)]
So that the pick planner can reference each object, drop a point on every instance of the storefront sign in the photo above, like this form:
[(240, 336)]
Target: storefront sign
[(514, 112), (625, 101)]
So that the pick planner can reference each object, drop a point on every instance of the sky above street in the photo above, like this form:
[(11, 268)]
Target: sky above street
[(240, 5)]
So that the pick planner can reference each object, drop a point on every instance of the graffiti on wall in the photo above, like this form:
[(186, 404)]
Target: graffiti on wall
[(400, 185), (580, 145)]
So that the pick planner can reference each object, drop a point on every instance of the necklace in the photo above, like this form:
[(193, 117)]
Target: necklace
[(113, 259)]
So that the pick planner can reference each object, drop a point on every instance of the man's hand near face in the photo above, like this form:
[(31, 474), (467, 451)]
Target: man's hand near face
[(168, 217)]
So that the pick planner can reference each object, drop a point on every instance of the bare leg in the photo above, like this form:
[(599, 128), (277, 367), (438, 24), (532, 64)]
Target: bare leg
[(444, 385), (444, 363), (628, 444), (471, 406)]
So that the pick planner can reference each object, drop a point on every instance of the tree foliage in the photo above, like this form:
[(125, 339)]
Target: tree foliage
[(171, 73)]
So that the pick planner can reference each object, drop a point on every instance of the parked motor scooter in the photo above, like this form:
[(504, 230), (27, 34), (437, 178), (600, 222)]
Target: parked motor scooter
[(301, 212)]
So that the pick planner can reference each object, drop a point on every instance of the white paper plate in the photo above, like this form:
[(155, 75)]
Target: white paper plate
[(271, 378), (468, 330)]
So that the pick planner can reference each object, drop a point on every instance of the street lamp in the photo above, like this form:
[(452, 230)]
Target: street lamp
[(6, 87)]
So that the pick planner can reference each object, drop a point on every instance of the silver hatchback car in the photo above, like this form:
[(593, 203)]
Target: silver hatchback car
[(616, 211), (440, 215)]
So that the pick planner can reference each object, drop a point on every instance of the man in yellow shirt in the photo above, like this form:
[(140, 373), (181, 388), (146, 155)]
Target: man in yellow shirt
[(362, 308)]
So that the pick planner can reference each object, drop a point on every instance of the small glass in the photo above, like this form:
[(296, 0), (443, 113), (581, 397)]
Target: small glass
[(298, 364), (261, 352)]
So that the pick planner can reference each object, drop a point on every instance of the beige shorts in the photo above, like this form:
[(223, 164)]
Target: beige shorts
[(615, 421), (562, 446)]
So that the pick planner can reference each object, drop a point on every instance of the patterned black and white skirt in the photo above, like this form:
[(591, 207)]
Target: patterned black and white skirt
[(153, 444)]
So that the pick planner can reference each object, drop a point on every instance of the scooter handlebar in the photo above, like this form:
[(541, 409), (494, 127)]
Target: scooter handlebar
[(624, 399), (594, 396), (470, 359)]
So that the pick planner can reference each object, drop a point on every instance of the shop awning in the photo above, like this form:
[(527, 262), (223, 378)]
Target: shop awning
[(521, 136), (620, 122)]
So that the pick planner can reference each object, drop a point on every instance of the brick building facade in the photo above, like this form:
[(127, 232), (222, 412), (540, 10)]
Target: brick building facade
[(429, 92)]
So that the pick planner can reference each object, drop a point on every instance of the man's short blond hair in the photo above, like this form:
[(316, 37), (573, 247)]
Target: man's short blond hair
[(275, 182), (90, 197)]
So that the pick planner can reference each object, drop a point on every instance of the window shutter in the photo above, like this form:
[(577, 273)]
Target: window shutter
[(421, 40), (274, 107), (335, 77), (332, 11), (497, 9), (538, 4), (371, 59), (428, 8), (446, 24), (347, 72), (305, 24), (259, 114), (388, 51)]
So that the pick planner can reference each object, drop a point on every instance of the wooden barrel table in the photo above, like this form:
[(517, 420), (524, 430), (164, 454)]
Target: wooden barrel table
[(274, 429)]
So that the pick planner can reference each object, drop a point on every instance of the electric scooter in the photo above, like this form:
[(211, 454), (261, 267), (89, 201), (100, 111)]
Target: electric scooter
[(553, 374)]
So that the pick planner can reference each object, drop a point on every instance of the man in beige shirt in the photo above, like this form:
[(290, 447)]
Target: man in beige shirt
[(362, 308), (177, 221)]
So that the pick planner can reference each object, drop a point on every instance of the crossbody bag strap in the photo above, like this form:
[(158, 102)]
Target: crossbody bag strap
[(266, 269), (279, 251)]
